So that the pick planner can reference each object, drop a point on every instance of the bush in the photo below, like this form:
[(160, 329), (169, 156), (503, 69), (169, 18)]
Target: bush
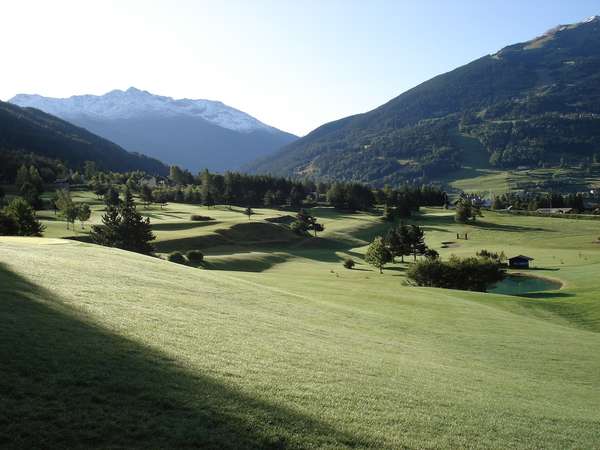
[(298, 228), (195, 256), (177, 257), (199, 218), (349, 263)]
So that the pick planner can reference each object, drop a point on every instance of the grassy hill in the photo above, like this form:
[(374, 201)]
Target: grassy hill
[(284, 348), (530, 104)]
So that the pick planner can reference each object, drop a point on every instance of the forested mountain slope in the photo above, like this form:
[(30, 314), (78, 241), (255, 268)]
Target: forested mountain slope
[(530, 104), (28, 130)]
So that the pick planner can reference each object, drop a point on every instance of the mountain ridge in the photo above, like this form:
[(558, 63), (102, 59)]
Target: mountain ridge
[(30, 130), (510, 101), (194, 134)]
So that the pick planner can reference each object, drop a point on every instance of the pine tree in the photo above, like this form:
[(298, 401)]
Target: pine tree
[(417, 240), (146, 195), (377, 254), (25, 222), (111, 197), (123, 227), (135, 232), (108, 233)]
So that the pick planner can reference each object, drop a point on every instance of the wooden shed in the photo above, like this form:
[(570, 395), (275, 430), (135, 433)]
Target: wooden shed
[(519, 261)]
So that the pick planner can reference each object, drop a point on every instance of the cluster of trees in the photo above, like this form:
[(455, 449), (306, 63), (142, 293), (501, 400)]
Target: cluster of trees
[(12, 160), (399, 202), (30, 185), (230, 189), (124, 227), (467, 210), (531, 202), (471, 274), (305, 222), (238, 189), (400, 241), (70, 210)]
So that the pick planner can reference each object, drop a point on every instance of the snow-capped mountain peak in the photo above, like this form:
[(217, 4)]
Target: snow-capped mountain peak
[(135, 103)]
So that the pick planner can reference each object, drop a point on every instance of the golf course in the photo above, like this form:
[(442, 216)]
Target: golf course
[(272, 343)]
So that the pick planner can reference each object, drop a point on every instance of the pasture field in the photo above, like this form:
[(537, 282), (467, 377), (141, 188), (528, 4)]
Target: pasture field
[(275, 345)]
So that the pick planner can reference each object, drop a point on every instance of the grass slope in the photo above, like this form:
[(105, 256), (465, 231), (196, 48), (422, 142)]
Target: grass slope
[(103, 348)]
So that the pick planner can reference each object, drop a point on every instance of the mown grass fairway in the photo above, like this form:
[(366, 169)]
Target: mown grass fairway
[(284, 348)]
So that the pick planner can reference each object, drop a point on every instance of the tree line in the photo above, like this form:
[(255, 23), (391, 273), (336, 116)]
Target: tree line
[(237, 189)]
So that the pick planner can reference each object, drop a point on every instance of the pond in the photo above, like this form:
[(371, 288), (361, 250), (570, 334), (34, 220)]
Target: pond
[(519, 284)]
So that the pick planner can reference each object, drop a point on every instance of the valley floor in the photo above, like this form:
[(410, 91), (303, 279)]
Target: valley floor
[(279, 346)]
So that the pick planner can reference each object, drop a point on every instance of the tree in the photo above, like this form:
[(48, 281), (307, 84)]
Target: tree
[(206, 189), (416, 240), (336, 196), (123, 227), (269, 199), (466, 210), (248, 211), (25, 222), (84, 212), (89, 169), (99, 189), (176, 175), (397, 242), (463, 212), (305, 222), (2, 195), (31, 194), (296, 196), (65, 205), (8, 225), (111, 197), (146, 195), (22, 176), (431, 254), (135, 231), (108, 234), (377, 254), (160, 197)]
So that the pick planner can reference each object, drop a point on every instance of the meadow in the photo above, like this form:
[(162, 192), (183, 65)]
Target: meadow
[(274, 344)]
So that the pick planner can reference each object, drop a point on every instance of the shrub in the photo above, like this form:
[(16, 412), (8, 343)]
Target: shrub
[(177, 257), (298, 228), (349, 263), (195, 256), (199, 218)]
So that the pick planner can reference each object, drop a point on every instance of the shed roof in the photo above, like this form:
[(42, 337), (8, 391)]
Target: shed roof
[(527, 258)]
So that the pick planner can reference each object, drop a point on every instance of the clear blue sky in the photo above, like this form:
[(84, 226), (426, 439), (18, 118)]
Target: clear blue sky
[(292, 64)]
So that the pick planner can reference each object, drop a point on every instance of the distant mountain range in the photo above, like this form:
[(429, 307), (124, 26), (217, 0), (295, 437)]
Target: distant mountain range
[(529, 104), (30, 131), (194, 134)]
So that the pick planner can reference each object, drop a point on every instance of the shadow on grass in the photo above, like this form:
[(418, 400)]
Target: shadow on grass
[(66, 382), (547, 295), (503, 227), (179, 226)]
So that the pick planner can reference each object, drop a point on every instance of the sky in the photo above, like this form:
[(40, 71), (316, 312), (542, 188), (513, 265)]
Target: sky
[(293, 64)]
